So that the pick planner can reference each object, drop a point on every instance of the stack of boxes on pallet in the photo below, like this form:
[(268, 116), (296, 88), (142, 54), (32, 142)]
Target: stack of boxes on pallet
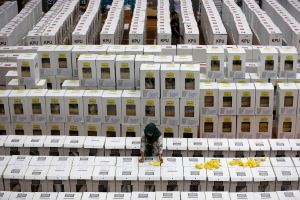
[(285, 21), (56, 25), (112, 30), (138, 26), (14, 31), (189, 25), (236, 23), (214, 31), (88, 27), (265, 30), (164, 36)]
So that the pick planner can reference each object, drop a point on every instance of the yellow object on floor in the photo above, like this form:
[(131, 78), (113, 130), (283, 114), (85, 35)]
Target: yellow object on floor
[(199, 166), (251, 162), (155, 163)]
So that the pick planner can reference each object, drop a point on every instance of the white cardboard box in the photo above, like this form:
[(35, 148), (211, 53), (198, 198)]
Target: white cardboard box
[(18, 105), (58, 178), (192, 195), (125, 71), (287, 99), (139, 60), (118, 195), (172, 178), (34, 145), (69, 196), (111, 106), (13, 177), (126, 179), (189, 79), (142, 195), (280, 147), (55, 105), (45, 55), (194, 179), (53, 145), (92, 129), (209, 99), (133, 146), (111, 130), (74, 129), (115, 146), (169, 131), (288, 194), (73, 145), (241, 179), (14, 144), (176, 147), (62, 59), (263, 179), (21, 195), (246, 127), (55, 128), (268, 62), (149, 179), (37, 105), (81, 178), (238, 148), (76, 51), (227, 98), (295, 146), (287, 62), (35, 178), (189, 112), (150, 80), (87, 70), (264, 98), (169, 111), (20, 128), (215, 57), (74, 106), (236, 58), (129, 130), (209, 126), (4, 106), (106, 76), (218, 147), (170, 80), (245, 98), (45, 195), (286, 126), (197, 147), (227, 126), (28, 69), (218, 179), (264, 126), (217, 195), (259, 147), (174, 195), (150, 111), (131, 105), (94, 146), (92, 106), (104, 178)]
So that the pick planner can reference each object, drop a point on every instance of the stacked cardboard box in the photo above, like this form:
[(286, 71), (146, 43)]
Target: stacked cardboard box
[(138, 26), (293, 6), (7, 11), (164, 36)]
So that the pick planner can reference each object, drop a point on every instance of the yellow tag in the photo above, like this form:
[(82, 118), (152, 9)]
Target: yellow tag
[(2, 127), (35, 100), (124, 65), (36, 127), (227, 94), (111, 128), (227, 119), (237, 57), (263, 119), (149, 74), (169, 103), (72, 101), (104, 65), (130, 101), (214, 58), (289, 58), (289, 93), (155, 163), (149, 102), (92, 128), (168, 130), (19, 127), (245, 119), (208, 119), (111, 102), (1, 101), (246, 93), (187, 130), (170, 75), (17, 101), (54, 101), (92, 101), (25, 64), (269, 57), (209, 93), (61, 55), (86, 64), (287, 119), (189, 103), (55, 127), (189, 75), (130, 129), (73, 128), (264, 93), (45, 55)]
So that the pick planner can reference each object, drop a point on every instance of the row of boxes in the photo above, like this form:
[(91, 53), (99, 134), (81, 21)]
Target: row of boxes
[(285, 21), (14, 31), (164, 33), (138, 26), (126, 174), (279, 195), (265, 30), (112, 30), (56, 25), (88, 27), (236, 23), (8, 10), (188, 25), (214, 31), (56, 145), (293, 7)]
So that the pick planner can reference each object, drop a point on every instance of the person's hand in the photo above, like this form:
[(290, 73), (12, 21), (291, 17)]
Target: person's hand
[(161, 160), (142, 159)]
